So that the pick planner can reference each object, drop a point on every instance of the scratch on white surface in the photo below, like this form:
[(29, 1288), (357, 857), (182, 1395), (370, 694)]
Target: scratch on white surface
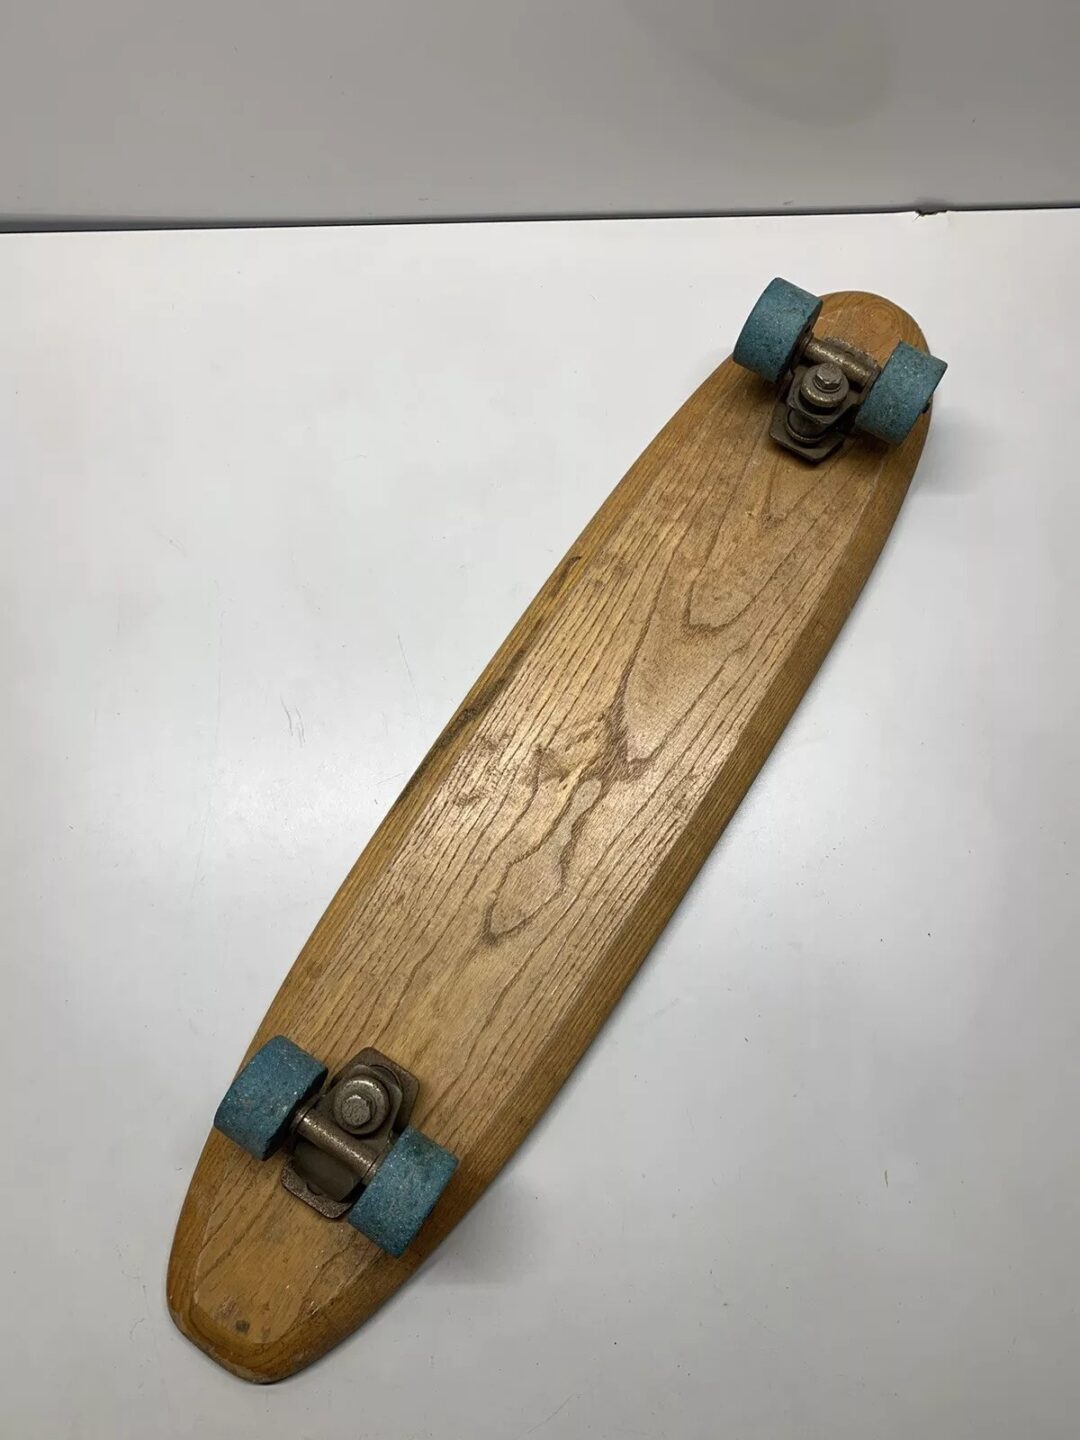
[(408, 671), (169, 541), (296, 722), (139, 1319), (548, 1418)]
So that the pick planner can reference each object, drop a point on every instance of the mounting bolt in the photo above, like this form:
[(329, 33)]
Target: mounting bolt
[(824, 386), (361, 1104), (829, 377)]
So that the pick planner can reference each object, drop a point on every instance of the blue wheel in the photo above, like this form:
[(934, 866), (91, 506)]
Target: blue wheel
[(900, 394), (261, 1101), (406, 1186), (767, 341)]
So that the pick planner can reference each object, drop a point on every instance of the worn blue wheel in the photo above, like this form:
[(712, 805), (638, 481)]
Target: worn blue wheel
[(406, 1186), (767, 341), (900, 394), (261, 1101)]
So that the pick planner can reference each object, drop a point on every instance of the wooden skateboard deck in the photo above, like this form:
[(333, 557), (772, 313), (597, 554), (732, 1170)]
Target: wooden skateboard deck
[(529, 864)]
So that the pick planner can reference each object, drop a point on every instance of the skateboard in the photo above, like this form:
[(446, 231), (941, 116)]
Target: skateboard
[(520, 879)]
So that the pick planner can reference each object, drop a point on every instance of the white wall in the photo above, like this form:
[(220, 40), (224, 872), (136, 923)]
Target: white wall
[(272, 110)]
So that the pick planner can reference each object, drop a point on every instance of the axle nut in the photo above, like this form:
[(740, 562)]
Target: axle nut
[(361, 1104)]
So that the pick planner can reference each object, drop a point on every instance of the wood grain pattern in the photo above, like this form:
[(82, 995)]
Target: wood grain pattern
[(520, 879)]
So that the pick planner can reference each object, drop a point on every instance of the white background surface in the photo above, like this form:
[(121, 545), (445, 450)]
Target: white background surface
[(356, 109), (271, 499)]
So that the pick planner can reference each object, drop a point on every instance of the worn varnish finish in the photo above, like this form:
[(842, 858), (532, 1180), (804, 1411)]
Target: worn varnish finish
[(533, 858)]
